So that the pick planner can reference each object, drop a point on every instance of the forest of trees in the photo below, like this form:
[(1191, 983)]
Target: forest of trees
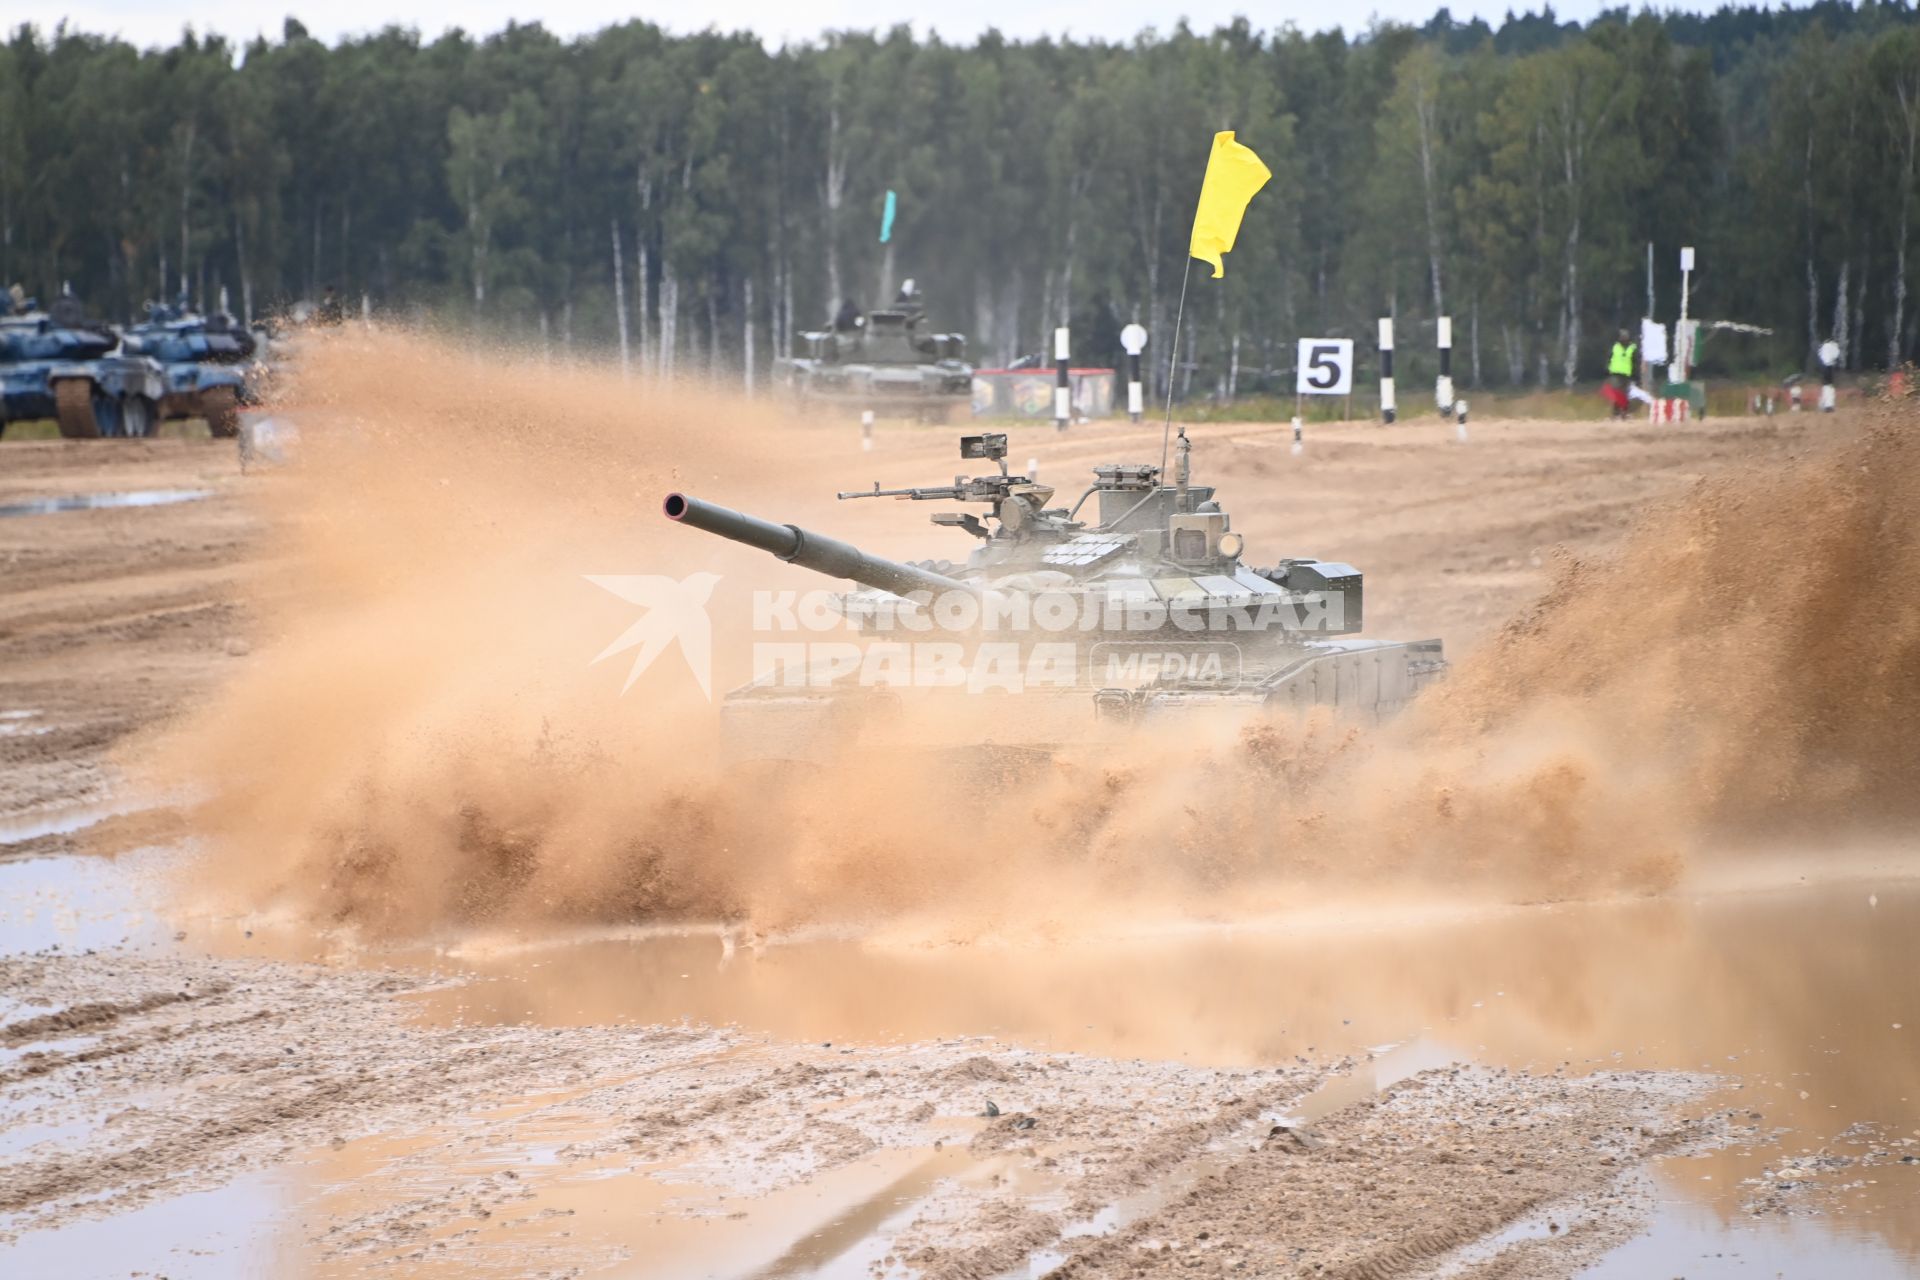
[(696, 200)]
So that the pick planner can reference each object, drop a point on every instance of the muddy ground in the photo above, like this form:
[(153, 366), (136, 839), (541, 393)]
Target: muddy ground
[(183, 1098), (115, 618), (1017, 1152)]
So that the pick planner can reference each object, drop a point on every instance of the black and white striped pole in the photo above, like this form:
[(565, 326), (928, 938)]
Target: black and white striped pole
[(1443, 385), (1829, 357), (1134, 339), (1062, 388), (1386, 369)]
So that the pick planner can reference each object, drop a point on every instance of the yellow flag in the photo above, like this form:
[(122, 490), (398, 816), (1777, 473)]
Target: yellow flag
[(1234, 174)]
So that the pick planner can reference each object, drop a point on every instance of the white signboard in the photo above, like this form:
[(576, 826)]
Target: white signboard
[(1325, 367), (1686, 258), (1653, 342), (1134, 339)]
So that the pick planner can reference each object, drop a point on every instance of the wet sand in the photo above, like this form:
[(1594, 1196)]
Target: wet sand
[(1715, 1082)]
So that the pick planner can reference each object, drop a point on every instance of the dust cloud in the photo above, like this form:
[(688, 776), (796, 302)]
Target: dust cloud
[(420, 740)]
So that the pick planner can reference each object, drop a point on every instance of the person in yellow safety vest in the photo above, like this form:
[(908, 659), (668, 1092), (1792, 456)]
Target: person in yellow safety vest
[(1620, 371)]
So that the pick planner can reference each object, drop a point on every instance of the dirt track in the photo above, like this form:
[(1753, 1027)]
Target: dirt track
[(131, 1076)]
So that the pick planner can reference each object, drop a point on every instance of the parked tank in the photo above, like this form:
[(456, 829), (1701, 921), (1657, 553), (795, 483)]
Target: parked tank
[(58, 365), (887, 361), (205, 359), (1138, 598)]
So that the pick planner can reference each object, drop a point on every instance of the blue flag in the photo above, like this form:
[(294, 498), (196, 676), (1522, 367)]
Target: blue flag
[(886, 219)]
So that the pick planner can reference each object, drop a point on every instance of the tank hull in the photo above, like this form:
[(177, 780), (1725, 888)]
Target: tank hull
[(74, 376), (202, 363), (192, 387), (922, 392), (1359, 680), (112, 396)]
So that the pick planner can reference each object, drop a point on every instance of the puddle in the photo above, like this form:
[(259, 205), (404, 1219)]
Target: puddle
[(19, 1135), (855, 1240), (1389, 1066), (36, 824), (18, 724), (1699, 983), (81, 902), (96, 501), (231, 1233), (1806, 998), (1690, 1240), (655, 1222)]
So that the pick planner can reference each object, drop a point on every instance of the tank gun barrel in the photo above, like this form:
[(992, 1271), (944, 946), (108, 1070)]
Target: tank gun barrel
[(813, 551)]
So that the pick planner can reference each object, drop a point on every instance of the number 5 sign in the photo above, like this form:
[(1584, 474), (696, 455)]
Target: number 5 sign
[(1325, 367)]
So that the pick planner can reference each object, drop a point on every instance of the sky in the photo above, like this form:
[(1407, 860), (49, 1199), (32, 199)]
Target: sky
[(159, 22)]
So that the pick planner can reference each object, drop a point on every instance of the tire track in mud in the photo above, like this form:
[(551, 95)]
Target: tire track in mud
[(1165, 1151), (1549, 1257), (44, 1063), (133, 1172), (1388, 1187), (303, 1056), (92, 1017), (1014, 1232)]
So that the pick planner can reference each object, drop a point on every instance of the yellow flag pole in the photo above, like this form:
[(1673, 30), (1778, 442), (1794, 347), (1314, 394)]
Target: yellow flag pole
[(1234, 176), (1173, 367)]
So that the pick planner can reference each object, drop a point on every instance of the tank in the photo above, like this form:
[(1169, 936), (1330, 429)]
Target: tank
[(886, 361), (1136, 603), (58, 365), (205, 361)]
